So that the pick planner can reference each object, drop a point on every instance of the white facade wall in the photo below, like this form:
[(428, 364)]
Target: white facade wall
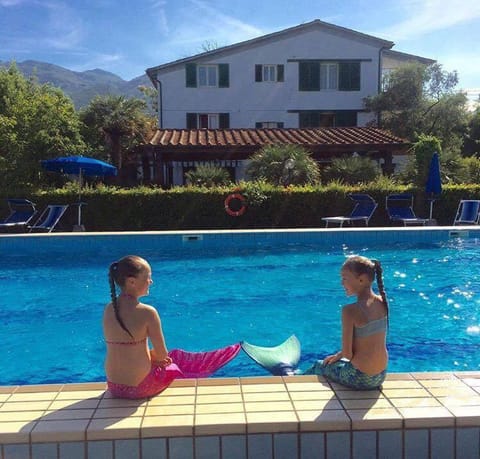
[(249, 102)]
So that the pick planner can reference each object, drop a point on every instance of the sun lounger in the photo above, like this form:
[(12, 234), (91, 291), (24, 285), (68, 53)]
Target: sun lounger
[(362, 211), (468, 212), (22, 212), (400, 209), (49, 218)]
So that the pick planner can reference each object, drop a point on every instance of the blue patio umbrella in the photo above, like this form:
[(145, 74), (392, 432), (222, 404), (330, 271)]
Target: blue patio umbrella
[(434, 181), (81, 166)]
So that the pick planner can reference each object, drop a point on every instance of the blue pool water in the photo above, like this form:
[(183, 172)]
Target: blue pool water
[(52, 305)]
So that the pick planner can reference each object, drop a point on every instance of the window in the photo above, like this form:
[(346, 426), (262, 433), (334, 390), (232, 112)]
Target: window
[(207, 75), (328, 75), (268, 125), (323, 75), (269, 72), (208, 120)]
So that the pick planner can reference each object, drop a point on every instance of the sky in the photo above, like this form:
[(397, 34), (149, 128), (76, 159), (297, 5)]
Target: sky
[(126, 37)]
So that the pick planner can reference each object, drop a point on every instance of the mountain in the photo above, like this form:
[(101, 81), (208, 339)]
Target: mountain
[(82, 87)]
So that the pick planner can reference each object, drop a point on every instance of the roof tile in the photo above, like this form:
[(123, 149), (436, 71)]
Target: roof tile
[(249, 137)]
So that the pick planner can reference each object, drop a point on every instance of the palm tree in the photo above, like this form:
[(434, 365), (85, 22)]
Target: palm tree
[(119, 122), (283, 165)]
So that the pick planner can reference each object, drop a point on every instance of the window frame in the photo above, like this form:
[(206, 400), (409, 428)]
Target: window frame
[(207, 68), (326, 83)]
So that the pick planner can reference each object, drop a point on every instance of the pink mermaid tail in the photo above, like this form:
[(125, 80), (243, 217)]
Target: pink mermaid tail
[(203, 364), (185, 365), (155, 382)]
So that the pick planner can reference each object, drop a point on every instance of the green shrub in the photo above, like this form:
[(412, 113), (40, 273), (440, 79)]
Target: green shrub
[(268, 206), (207, 175), (283, 165), (351, 170)]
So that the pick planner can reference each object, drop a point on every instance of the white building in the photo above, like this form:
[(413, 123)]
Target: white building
[(312, 75)]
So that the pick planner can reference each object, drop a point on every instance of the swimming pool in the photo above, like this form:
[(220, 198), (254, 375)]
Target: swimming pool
[(216, 288)]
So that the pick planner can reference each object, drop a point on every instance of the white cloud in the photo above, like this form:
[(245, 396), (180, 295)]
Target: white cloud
[(159, 7), (425, 16), (202, 23), (66, 29), (98, 60), (7, 3)]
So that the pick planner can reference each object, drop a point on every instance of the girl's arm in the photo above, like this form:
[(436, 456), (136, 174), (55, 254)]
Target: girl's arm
[(347, 340), (159, 353)]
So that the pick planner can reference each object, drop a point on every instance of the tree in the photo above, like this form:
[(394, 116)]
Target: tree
[(283, 165), (36, 122), (424, 149), (115, 124), (472, 141), (420, 99)]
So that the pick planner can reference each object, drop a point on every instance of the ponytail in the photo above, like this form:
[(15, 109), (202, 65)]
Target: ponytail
[(381, 288), (112, 275)]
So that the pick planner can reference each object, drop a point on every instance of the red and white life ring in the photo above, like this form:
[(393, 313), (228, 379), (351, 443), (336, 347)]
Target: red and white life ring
[(235, 197)]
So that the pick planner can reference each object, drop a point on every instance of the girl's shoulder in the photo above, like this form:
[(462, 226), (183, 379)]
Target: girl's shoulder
[(147, 309), (350, 309)]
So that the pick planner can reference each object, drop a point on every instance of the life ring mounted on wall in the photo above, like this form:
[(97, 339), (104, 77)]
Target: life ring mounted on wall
[(240, 201)]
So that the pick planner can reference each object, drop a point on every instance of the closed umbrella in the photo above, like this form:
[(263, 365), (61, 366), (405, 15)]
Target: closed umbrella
[(81, 166), (433, 186)]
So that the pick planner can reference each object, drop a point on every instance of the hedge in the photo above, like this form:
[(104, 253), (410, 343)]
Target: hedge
[(145, 209)]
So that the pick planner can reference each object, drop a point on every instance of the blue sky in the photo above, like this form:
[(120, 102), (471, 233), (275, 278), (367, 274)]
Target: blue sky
[(126, 37)]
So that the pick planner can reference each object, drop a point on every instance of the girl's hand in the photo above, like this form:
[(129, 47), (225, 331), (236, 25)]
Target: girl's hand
[(166, 362), (160, 362), (332, 358)]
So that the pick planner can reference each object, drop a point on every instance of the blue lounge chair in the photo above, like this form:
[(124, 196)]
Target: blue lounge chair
[(400, 209), (362, 211), (22, 212), (49, 218), (468, 212)]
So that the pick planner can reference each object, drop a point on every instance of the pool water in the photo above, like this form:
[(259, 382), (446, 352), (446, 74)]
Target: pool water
[(52, 306)]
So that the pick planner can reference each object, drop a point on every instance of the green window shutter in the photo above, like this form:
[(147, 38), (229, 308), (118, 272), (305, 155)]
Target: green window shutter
[(349, 76), (224, 120), (258, 125), (309, 119), (191, 121), (258, 72), (280, 72), (191, 75), (223, 76), (280, 125), (308, 76), (345, 118)]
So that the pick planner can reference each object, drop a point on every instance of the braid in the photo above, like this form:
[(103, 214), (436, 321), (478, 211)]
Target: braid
[(113, 293), (381, 287)]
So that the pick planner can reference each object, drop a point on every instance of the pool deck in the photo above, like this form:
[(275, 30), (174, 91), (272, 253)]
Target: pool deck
[(414, 415)]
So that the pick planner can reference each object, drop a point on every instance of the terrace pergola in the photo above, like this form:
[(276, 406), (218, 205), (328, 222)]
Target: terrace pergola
[(228, 147)]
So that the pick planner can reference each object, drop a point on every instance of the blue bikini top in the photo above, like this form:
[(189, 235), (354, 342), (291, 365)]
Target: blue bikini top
[(370, 328)]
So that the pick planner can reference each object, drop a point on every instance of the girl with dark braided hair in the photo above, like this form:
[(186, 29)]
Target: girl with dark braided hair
[(362, 362), (132, 369)]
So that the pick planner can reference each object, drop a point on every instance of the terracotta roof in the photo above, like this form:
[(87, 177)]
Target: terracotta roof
[(366, 137)]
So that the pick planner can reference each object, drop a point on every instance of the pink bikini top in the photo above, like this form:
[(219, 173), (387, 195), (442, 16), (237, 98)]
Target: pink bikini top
[(126, 343)]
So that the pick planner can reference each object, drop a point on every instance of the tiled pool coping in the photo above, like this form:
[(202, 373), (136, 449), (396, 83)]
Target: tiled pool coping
[(415, 415)]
